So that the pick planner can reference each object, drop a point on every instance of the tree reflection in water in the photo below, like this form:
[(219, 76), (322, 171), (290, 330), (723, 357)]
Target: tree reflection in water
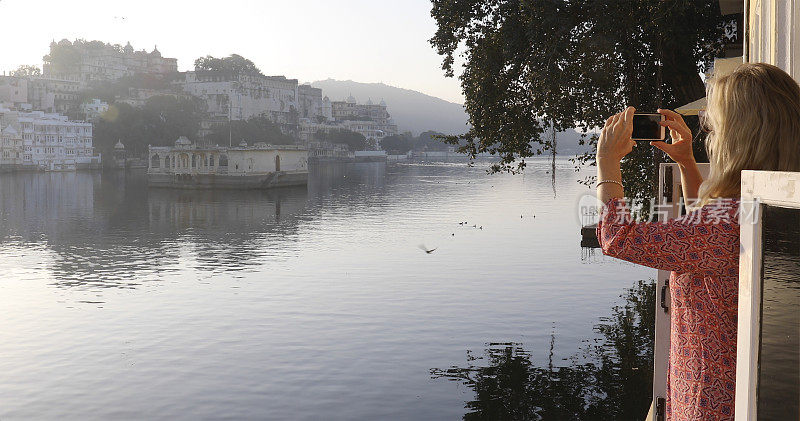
[(609, 378)]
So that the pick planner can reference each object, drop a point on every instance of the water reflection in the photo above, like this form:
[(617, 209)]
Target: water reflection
[(266, 301), (329, 178), (93, 226), (779, 362), (610, 378)]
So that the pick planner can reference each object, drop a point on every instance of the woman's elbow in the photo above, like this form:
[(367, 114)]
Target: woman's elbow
[(609, 244)]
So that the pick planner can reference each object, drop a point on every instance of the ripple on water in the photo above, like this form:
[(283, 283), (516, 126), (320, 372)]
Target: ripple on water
[(289, 304)]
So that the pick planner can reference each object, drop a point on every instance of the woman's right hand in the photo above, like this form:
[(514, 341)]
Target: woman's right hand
[(680, 150)]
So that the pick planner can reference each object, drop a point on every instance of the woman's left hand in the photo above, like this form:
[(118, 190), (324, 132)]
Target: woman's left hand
[(615, 139)]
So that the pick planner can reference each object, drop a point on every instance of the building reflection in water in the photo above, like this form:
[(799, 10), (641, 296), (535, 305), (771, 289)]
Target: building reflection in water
[(110, 230), (333, 179), (610, 378)]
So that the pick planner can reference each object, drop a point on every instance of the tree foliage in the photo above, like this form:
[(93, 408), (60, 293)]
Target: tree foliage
[(533, 65), (161, 121), (234, 64), (429, 141), (404, 142), (255, 129), (398, 144), (65, 55), (27, 70), (109, 90), (354, 141)]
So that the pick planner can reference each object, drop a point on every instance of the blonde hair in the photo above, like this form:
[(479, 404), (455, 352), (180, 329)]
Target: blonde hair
[(754, 119)]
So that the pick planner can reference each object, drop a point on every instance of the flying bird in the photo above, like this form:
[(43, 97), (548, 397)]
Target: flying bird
[(425, 249)]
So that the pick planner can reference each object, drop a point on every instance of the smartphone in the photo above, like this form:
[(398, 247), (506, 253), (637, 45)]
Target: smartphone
[(646, 127)]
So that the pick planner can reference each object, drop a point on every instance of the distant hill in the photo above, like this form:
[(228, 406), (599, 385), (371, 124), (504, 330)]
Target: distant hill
[(411, 110), (568, 143), (417, 112)]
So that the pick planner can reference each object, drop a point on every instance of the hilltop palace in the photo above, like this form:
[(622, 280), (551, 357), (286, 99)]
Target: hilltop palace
[(261, 166)]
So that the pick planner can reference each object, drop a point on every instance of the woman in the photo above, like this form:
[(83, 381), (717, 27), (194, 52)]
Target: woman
[(753, 119)]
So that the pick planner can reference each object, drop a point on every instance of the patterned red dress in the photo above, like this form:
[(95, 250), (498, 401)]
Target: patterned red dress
[(702, 251)]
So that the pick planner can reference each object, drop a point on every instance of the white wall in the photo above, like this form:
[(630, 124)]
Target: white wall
[(774, 34), (263, 161)]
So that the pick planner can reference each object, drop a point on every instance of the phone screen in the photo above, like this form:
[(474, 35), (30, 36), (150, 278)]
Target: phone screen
[(646, 127)]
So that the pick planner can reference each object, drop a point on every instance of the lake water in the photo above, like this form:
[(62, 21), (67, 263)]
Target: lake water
[(120, 302)]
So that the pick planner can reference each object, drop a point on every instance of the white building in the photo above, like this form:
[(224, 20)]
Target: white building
[(11, 148), (94, 109), (308, 127), (350, 109), (243, 96), (311, 104), (95, 60), (40, 93), (370, 120), (47, 142), (191, 166), (370, 129), (13, 89)]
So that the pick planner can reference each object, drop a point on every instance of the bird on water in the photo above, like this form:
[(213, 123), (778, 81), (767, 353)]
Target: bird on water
[(426, 250)]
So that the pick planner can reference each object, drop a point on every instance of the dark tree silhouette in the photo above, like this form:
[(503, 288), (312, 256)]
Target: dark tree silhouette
[(255, 129), (27, 70), (533, 65), (161, 121), (610, 378), (354, 141), (234, 64)]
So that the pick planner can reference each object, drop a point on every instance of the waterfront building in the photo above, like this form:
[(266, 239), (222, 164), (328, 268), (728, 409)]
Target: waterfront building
[(120, 155), (311, 104), (39, 93), (371, 120), (372, 130), (326, 151), (192, 166), (11, 148), (97, 61), (35, 140), (121, 159), (307, 128), (351, 110), (238, 96)]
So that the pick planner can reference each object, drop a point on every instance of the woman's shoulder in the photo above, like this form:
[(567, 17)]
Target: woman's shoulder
[(716, 211)]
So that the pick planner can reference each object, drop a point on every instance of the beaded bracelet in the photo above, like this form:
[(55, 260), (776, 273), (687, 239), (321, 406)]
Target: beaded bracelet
[(609, 181)]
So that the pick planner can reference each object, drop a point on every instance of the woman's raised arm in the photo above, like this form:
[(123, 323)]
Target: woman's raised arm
[(680, 150)]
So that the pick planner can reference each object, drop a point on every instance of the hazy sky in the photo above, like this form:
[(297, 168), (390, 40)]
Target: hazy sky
[(362, 40)]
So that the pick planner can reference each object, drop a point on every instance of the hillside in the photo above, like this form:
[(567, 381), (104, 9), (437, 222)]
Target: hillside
[(412, 111), (417, 112)]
